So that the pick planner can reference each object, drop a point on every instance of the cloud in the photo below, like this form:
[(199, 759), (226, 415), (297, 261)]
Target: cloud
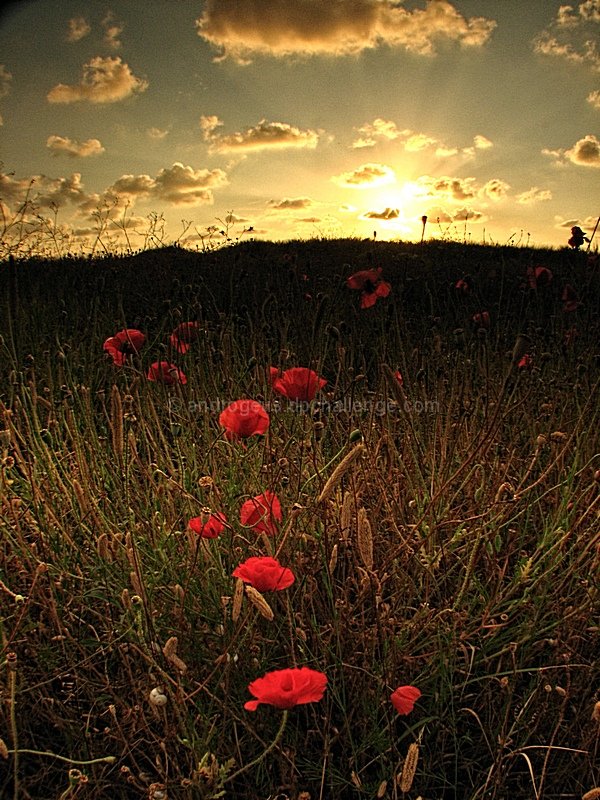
[(290, 203), (77, 28), (62, 144), (593, 99), (387, 214), (105, 80), (584, 153), (589, 223), (366, 177), (495, 189), (418, 141), (438, 214), (112, 31), (459, 189), (381, 130), (157, 133), (45, 192), (264, 136), (534, 195), (377, 130), (572, 35), (242, 29), (482, 142), (178, 185)]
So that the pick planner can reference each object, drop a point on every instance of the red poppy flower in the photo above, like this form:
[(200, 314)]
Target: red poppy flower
[(286, 688), (264, 573), (539, 276), (209, 525), (297, 383), (525, 362), (399, 378), (244, 418), (127, 342), (570, 299), (261, 513), (578, 237), (164, 372), (404, 698), (482, 318), (370, 284), (184, 334), (463, 285)]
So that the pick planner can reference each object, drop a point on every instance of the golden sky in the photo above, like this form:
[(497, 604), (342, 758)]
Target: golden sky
[(305, 118)]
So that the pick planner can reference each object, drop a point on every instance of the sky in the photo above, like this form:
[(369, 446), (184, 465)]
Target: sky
[(302, 119)]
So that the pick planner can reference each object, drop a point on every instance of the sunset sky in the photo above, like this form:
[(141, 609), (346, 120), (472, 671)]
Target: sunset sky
[(305, 118)]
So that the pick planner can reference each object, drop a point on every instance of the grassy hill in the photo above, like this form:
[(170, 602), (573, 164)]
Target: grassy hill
[(439, 513)]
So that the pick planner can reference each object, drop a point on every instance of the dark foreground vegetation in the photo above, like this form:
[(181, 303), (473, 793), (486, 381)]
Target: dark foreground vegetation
[(440, 515)]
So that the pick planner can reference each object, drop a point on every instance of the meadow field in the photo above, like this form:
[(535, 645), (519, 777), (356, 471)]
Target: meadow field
[(414, 526)]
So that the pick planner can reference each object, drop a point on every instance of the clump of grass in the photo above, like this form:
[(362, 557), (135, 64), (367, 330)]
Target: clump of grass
[(443, 532)]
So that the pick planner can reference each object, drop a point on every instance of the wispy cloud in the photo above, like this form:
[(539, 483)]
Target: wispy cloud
[(104, 80), (112, 31), (290, 203), (378, 130), (366, 177), (63, 145), (572, 35), (157, 133), (77, 28), (534, 195), (382, 131), (593, 99), (242, 29), (264, 136)]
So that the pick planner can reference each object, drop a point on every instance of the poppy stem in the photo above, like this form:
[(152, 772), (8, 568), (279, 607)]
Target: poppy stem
[(265, 753)]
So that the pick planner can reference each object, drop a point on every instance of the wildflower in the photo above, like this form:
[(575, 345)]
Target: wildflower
[(370, 284), (463, 284), (209, 525), (244, 418), (482, 319), (261, 513), (525, 362), (165, 372), (404, 698), (298, 383), (570, 299), (129, 341), (578, 237), (183, 334), (286, 688), (264, 573), (539, 276)]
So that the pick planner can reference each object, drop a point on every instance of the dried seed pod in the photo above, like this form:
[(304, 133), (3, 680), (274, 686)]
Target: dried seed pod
[(259, 602), (410, 767)]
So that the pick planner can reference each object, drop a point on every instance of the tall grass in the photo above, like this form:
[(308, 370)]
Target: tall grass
[(444, 532)]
